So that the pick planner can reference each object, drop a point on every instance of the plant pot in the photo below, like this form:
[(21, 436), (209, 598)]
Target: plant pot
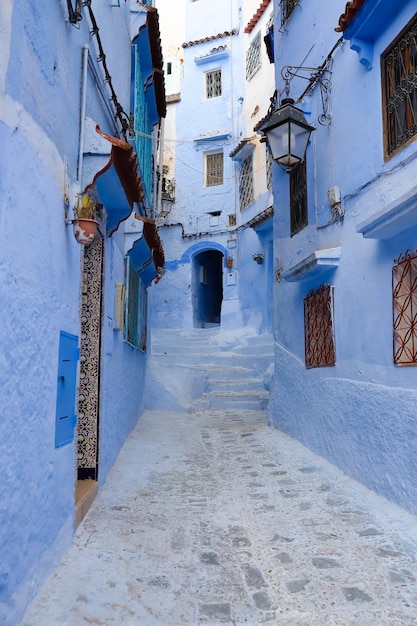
[(85, 230)]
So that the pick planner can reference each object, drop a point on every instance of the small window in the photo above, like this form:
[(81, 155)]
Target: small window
[(246, 182), (169, 67), (404, 309), (253, 56), (298, 198), (319, 328), (214, 169), (213, 83), (136, 309), (399, 81), (287, 7)]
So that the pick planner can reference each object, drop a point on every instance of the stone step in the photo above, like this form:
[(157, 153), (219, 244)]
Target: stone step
[(257, 362), (230, 402), (211, 368), (239, 384)]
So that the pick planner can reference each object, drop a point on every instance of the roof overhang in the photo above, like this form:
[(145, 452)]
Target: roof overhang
[(118, 184), (144, 248), (148, 41)]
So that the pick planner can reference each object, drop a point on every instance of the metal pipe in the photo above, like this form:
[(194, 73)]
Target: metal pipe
[(82, 112), (158, 208)]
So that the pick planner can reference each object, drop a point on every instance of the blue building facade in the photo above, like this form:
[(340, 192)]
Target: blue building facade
[(215, 217), (81, 99), (344, 240)]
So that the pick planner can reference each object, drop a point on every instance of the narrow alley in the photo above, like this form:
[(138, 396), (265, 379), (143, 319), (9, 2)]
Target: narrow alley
[(213, 517)]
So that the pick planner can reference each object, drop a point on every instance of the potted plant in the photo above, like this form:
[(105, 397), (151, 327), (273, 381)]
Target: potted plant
[(85, 222)]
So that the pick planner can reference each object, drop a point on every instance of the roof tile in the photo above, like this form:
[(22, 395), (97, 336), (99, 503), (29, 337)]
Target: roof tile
[(349, 15), (255, 19)]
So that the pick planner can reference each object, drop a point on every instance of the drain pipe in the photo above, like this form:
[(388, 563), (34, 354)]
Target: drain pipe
[(158, 208), (82, 112)]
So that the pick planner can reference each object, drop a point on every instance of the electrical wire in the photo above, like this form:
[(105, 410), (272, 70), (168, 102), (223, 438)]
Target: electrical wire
[(75, 16)]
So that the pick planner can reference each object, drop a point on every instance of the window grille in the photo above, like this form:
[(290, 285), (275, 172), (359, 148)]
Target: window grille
[(268, 156), (404, 298), (298, 198), (287, 7), (136, 309), (214, 84), (246, 182), (214, 169), (319, 328), (253, 56), (399, 78)]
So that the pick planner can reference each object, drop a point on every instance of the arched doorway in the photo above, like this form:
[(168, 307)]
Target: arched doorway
[(207, 288)]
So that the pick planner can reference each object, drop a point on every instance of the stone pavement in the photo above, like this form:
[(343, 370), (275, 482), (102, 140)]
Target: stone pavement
[(215, 518)]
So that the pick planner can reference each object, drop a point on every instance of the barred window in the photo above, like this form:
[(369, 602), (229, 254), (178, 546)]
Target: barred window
[(298, 198), (404, 309), (287, 7), (136, 309), (268, 167), (246, 182), (214, 169), (253, 56), (213, 83), (319, 328), (399, 80)]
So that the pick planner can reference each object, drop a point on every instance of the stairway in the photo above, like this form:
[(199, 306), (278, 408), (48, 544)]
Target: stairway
[(208, 368)]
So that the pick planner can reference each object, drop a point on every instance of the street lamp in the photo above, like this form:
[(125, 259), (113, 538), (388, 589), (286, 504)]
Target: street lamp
[(287, 133)]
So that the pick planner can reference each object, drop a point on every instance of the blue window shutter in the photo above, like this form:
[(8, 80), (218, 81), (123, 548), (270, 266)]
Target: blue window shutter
[(65, 419)]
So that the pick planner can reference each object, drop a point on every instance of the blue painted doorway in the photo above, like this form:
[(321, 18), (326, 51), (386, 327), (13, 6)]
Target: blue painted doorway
[(207, 288)]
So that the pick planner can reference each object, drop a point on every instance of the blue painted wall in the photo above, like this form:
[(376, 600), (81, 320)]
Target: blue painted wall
[(359, 414), (215, 39), (200, 125), (40, 271)]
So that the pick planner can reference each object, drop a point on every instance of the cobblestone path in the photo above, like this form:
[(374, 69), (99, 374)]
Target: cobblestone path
[(216, 518)]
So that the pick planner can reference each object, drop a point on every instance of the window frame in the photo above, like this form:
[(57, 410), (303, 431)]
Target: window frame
[(268, 166), (404, 309), (253, 56), (207, 174), (136, 309), (319, 332), (246, 188), (400, 88), (298, 198), (217, 92)]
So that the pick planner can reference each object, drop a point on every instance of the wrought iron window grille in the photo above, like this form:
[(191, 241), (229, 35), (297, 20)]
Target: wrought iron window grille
[(214, 84), (404, 309), (253, 56), (268, 167), (214, 169), (287, 7), (246, 195), (298, 198), (319, 327), (399, 78)]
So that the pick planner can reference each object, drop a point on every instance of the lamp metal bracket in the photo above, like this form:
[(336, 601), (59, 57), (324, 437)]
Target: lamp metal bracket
[(314, 75)]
